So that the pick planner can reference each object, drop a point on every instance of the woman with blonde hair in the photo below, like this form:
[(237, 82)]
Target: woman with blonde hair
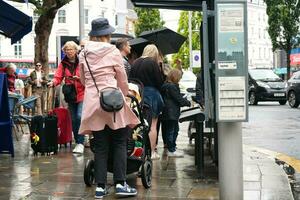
[(68, 70), (147, 70), (101, 67)]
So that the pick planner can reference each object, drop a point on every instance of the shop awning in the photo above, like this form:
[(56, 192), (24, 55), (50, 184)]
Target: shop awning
[(13, 23), (170, 4)]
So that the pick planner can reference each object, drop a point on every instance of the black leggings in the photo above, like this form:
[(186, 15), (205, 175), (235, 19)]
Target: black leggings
[(102, 141)]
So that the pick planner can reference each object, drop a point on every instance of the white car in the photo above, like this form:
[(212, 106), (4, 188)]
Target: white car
[(188, 80)]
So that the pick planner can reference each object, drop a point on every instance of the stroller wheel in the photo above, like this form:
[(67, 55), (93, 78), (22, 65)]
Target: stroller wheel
[(89, 173), (146, 173)]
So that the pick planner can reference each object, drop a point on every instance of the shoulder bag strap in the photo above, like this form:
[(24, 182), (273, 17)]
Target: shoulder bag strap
[(91, 72)]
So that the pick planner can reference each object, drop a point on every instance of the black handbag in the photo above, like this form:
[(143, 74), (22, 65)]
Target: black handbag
[(111, 99), (70, 93)]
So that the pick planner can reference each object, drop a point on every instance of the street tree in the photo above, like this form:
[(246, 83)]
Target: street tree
[(183, 29), (148, 19), (284, 25), (46, 10)]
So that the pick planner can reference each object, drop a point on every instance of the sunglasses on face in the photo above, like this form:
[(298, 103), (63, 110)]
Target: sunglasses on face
[(38, 65)]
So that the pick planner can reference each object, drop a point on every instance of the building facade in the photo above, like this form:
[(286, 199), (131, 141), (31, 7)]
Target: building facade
[(260, 54), (119, 13)]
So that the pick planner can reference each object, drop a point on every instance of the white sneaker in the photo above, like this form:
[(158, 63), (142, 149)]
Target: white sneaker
[(175, 154), (155, 156), (79, 148)]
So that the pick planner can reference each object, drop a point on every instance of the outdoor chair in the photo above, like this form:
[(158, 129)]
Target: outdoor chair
[(15, 106), (28, 104), (12, 102)]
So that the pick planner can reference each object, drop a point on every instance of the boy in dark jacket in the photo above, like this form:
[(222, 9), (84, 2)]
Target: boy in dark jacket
[(173, 101)]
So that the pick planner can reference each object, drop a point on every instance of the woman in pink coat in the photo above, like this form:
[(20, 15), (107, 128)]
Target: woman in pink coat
[(106, 65)]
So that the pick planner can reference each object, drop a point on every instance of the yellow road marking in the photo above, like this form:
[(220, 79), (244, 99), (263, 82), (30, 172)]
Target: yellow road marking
[(295, 163)]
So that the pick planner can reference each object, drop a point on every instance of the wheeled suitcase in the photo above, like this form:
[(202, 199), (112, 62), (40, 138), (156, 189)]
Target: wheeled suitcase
[(64, 124), (43, 130)]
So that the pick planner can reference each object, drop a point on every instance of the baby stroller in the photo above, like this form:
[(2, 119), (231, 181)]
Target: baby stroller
[(138, 143)]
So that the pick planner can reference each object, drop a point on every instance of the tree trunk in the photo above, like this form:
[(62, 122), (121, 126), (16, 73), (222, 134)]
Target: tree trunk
[(47, 10), (42, 30), (288, 64)]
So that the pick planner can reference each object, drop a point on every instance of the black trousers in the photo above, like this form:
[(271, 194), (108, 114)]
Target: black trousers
[(115, 140)]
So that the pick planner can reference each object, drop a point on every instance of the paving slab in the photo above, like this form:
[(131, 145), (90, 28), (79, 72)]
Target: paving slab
[(61, 176)]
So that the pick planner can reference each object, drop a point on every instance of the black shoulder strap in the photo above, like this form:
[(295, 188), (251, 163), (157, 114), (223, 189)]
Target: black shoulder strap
[(64, 69)]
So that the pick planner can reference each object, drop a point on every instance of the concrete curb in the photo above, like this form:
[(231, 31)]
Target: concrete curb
[(291, 161), (289, 165)]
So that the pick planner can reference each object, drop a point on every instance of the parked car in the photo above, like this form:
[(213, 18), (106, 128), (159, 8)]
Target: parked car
[(265, 85), (187, 81), (293, 90)]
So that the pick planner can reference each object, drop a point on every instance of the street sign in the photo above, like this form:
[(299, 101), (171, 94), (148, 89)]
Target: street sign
[(196, 59), (231, 63), (231, 93)]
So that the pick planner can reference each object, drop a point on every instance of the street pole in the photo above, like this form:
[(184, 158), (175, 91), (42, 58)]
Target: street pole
[(190, 39), (231, 93), (81, 19), (230, 160)]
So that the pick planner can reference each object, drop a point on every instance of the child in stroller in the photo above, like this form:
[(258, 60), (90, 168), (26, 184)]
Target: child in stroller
[(138, 144)]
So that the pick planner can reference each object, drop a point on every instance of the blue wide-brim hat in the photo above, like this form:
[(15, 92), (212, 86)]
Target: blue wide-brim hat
[(100, 26)]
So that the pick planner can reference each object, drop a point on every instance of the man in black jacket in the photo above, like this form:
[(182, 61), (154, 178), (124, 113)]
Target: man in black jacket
[(199, 89), (124, 47)]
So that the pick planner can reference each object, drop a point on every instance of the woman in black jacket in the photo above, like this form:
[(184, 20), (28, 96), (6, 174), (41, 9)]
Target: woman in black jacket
[(171, 112), (147, 70)]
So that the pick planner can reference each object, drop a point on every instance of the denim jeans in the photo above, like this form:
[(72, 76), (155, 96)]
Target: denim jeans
[(76, 110), (153, 98), (170, 130)]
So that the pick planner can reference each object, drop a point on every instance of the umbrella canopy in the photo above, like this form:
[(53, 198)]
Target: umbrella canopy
[(116, 36), (137, 45), (13, 23), (165, 39)]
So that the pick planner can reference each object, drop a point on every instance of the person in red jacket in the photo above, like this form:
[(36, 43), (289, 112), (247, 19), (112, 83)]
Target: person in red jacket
[(10, 71), (68, 70)]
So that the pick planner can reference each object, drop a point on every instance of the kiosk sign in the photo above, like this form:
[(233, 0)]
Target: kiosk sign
[(231, 65)]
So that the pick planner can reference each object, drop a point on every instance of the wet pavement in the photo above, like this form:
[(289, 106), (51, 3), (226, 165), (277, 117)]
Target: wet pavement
[(61, 176), (263, 178), (273, 127)]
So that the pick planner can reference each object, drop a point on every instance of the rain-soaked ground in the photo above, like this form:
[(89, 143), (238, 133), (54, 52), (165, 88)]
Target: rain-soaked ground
[(61, 176), (274, 127)]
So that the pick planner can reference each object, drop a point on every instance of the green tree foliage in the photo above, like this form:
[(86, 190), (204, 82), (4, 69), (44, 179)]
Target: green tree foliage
[(183, 29), (148, 19), (46, 10), (284, 25)]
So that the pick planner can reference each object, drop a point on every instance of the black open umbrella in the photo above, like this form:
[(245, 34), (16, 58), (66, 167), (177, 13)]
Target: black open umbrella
[(13, 23), (116, 36), (137, 45), (165, 39)]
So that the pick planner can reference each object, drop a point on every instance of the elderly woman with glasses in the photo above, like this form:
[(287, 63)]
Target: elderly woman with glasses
[(38, 83), (10, 71), (68, 71)]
